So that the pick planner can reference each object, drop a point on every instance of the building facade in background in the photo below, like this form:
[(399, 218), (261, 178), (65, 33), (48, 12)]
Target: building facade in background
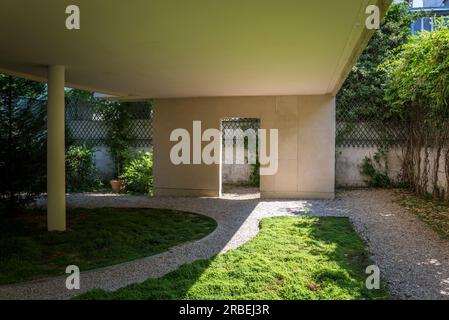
[(435, 8)]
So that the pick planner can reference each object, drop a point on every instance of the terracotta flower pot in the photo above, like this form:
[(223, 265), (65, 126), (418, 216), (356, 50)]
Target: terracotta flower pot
[(117, 185)]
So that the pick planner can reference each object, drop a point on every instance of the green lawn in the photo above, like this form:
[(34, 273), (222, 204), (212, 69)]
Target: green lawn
[(291, 258), (95, 238)]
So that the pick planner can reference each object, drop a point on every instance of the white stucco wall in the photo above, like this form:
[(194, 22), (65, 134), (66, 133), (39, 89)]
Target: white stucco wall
[(306, 156), (236, 173), (349, 159)]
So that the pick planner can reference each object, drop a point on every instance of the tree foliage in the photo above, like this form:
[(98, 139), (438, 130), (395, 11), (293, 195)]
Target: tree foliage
[(417, 89), (362, 95), (418, 74), (22, 141)]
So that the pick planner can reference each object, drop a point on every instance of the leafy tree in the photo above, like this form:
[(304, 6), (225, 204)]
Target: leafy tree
[(417, 89), (79, 96), (17, 87), (22, 141), (418, 73), (362, 95)]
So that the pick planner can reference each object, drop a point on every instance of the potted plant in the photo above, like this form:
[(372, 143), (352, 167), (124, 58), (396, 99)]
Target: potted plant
[(119, 157), (117, 185)]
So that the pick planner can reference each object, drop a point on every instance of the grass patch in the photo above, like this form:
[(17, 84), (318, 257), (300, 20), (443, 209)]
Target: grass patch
[(431, 212), (291, 258), (94, 238)]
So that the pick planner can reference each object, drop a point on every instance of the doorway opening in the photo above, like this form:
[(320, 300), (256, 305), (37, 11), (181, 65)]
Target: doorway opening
[(240, 179)]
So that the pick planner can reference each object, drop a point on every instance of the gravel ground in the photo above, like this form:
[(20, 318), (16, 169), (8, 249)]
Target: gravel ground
[(413, 260)]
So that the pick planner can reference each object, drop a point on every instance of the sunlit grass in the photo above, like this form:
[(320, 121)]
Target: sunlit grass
[(291, 258)]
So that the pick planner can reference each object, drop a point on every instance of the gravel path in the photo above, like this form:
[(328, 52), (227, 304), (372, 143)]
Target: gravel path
[(413, 260)]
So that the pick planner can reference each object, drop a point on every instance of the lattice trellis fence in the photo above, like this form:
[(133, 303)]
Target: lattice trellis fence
[(238, 123), (350, 132), (364, 131), (85, 124)]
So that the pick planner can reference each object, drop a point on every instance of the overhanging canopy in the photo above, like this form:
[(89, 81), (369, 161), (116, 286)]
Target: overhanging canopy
[(179, 48)]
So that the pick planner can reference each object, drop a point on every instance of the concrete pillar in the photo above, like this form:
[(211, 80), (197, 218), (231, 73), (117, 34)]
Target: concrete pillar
[(56, 211)]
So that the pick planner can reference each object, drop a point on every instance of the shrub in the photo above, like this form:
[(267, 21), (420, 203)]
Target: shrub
[(138, 173), (80, 169), (376, 170)]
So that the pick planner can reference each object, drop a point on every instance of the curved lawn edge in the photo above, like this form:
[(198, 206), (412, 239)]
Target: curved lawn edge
[(97, 238), (330, 264)]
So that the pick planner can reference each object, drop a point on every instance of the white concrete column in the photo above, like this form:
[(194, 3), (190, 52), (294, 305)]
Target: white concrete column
[(56, 211)]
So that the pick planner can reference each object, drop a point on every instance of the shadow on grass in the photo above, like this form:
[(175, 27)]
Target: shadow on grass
[(95, 238), (291, 258)]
